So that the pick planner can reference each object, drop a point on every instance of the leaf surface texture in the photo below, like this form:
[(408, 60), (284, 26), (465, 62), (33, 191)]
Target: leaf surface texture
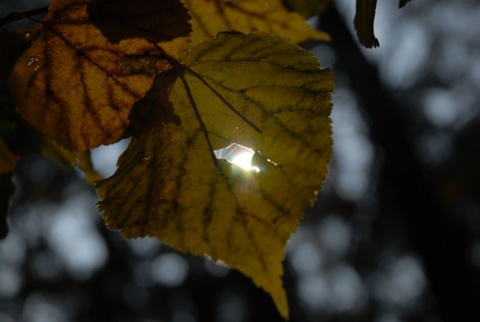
[(76, 86), (211, 17), (257, 90)]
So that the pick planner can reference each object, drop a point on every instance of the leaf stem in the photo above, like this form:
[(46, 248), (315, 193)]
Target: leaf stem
[(14, 16)]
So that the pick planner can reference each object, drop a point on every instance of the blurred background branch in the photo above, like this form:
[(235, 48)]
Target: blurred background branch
[(406, 185)]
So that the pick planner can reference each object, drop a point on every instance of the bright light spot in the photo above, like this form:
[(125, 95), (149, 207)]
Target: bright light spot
[(238, 155), (244, 161)]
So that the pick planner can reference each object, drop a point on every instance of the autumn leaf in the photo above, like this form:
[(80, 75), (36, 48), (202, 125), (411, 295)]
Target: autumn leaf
[(210, 17), (307, 8), (363, 22), (184, 181), (77, 87)]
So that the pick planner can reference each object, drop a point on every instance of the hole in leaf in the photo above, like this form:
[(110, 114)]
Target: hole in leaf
[(239, 155)]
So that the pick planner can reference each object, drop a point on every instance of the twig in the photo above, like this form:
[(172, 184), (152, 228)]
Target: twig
[(14, 16)]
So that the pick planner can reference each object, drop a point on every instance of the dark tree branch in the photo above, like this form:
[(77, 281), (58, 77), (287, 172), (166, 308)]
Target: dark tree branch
[(434, 233), (14, 16)]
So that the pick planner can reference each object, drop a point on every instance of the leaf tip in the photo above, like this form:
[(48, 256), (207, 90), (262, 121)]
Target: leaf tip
[(364, 23), (368, 43), (402, 3)]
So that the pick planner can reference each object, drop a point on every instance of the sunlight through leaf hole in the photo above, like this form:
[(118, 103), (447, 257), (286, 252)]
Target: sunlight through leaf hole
[(239, 155)]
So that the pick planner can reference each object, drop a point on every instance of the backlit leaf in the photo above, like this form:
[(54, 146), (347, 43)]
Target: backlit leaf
[(364, 21), (77, 87), (210, 17), (307, 8), (262, 93)]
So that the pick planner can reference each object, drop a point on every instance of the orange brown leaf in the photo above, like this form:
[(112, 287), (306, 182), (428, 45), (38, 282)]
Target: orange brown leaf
[(77, 87)]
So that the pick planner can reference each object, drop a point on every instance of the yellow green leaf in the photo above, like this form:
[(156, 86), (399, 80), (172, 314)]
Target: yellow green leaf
[(307, 8), (76, 86), (211, 17), (80, 159), (364, 21), (258, 91), (8, 160)]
